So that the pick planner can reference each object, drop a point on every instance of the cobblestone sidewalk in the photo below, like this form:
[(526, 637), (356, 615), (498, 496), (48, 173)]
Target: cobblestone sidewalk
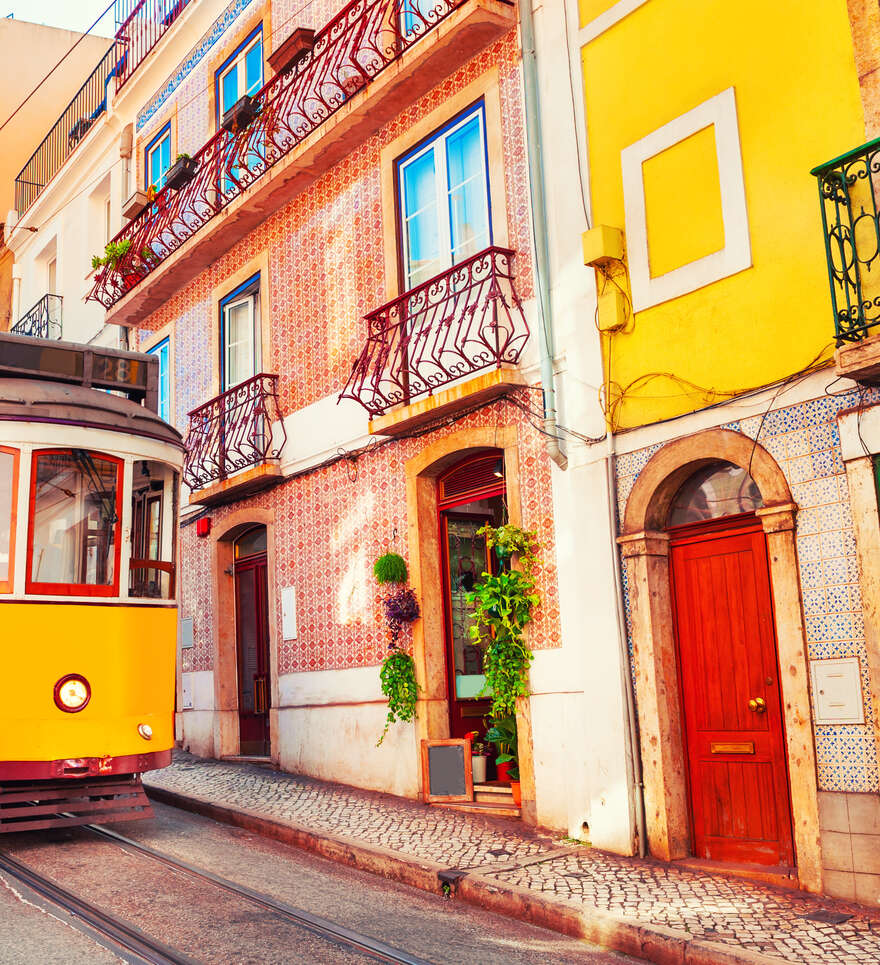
[(716, 908)]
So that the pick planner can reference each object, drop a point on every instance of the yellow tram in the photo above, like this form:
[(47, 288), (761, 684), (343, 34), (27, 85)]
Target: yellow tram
[(89, 478)]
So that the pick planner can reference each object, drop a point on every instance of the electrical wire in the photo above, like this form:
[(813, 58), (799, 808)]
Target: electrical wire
[(64, 57)]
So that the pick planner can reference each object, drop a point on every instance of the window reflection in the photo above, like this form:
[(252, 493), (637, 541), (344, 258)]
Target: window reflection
[(153, 517), (720, 489), (8, 482)]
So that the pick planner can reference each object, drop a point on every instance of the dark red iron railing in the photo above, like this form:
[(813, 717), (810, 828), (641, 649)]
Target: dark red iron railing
[(142, 24), (353, 48), (233, 431), (467, 319)]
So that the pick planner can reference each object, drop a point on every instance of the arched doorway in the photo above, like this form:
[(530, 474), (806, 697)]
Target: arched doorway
[(252, 641), (470, 495), (728, 672)]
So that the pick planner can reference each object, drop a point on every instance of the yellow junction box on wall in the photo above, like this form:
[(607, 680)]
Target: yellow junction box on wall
[(602, 244)]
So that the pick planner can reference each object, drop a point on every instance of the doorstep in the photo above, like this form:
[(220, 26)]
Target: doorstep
[(780, 876)]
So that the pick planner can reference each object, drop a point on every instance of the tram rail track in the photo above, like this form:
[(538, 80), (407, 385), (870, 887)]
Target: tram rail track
[(146, 949)]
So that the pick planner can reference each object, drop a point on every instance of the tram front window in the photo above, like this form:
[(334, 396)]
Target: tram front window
[(153, 519), (74, 543), (8, 484)]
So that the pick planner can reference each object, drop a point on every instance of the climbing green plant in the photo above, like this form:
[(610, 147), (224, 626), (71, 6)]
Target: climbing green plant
[(398, 676), (502, 608)]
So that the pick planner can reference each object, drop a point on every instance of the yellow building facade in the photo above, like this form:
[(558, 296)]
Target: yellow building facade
[(703, 120)]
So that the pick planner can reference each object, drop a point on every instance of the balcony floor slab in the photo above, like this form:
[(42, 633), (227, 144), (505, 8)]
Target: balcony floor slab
[(860, 360), (242, 484)]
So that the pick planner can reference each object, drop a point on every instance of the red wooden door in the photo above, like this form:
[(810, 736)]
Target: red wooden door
[(252, 634), (729, 681)]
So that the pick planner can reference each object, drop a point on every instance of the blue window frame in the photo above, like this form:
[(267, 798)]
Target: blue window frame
[(157, 158), (163, 351), (443, 194), (241, 73), (240, 350)]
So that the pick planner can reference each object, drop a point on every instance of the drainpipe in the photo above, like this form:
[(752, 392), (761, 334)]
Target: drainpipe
[(635, 753), (126, 142), (534, 146)]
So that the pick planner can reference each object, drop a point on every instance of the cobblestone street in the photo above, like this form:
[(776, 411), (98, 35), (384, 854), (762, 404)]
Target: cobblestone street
[(716, 908)]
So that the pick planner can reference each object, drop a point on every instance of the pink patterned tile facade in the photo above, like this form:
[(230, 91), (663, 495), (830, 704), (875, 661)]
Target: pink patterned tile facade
[(326, 271)]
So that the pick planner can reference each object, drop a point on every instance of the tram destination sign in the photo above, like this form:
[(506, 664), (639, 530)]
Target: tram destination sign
[(133, 373)]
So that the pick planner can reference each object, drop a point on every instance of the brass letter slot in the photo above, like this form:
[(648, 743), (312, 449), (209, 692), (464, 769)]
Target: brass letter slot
[(719, 747)]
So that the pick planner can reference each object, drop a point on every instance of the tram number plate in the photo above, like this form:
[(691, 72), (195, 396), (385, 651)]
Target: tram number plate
[(109, 369)]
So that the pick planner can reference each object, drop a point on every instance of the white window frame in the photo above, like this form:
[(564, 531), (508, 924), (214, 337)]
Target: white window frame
[(437, 144), (153, 149), (252, 300), (239, 61), (164, 398)]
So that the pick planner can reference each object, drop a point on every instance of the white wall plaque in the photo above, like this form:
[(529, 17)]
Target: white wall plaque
[(288, 613), (837, 691), (186, 694), (185, 633)]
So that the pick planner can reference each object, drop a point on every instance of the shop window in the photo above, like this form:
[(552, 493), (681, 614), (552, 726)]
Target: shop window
[(158, 159), (74, 523), (8, 500), (240, 334), (443, 191), (153, 516), (162, 351)]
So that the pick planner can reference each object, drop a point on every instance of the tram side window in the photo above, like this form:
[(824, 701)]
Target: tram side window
[(74, 526), (153, 520), (8, 487)]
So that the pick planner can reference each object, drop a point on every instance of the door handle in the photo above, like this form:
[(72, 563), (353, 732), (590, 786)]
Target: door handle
[(758, 705), (260, 701)]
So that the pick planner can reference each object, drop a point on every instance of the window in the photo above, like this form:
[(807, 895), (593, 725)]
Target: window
[(720, 489), (74, 524), (240, 74), (240, 334), (158, 159), (153, 513), (8, 500), (163, 352), (443, 189)]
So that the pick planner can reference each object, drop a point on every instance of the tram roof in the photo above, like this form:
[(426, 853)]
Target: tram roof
[(33, 400)]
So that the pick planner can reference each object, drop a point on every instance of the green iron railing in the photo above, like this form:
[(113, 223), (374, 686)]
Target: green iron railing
[(848, 190)]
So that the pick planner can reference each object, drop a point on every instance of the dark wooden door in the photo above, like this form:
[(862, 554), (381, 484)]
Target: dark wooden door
[(729, 680), (252, 636), (465, 559)]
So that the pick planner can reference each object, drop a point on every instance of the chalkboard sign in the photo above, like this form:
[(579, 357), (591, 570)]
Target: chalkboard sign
[(446, 770)]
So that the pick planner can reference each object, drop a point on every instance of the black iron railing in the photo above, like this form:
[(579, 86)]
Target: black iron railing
[(88, 104), (42, 321), (467, 319), (848, 189), (233, 432), (142, 24)]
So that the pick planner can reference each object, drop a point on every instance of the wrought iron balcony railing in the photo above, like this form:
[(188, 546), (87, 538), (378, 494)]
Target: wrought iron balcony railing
[(88, 104), (42, 321), (364, 38), (848, 193), (456, 324), (233, 432), (142, 24)]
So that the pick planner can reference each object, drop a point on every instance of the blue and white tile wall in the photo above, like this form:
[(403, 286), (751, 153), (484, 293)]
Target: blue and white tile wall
[(804, 440)]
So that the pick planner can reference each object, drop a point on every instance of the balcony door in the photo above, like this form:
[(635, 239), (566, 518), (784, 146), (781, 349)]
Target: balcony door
[(252, 642)]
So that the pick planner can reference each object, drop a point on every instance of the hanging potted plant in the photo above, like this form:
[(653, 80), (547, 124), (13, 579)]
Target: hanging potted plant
[(242, 112), (181, 172), (398, 671)]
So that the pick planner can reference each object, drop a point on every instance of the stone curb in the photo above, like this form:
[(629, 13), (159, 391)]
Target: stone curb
[(653, 943)]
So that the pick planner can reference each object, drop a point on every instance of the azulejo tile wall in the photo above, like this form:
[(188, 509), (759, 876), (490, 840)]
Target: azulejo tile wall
[(805, 442), (332, 523)]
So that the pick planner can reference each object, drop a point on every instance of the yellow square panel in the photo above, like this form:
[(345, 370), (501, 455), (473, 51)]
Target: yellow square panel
[(683, 203)]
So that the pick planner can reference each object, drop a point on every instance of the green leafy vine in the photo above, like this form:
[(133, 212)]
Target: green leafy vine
[(398, 676)]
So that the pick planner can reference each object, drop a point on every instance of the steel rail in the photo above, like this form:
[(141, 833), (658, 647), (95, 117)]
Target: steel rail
[(127, 937), (324, 928)]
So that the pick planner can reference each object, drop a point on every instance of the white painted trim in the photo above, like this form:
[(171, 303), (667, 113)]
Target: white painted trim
[(859, 431), (736, 255), (607, 19)]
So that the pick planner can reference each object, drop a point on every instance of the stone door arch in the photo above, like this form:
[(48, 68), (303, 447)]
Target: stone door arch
[(645, 549)]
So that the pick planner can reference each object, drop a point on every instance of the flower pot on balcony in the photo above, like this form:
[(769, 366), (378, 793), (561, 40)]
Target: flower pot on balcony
[(242, 112), (133, 206), (292, 49), (181, 172)]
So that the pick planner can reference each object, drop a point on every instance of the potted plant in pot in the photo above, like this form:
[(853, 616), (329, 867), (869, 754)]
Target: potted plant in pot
[(502, 734), (242, 112), (479, 757), (181, 172)]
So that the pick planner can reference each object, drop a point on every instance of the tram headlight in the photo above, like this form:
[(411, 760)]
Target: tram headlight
[(72, 693), (145, 731)]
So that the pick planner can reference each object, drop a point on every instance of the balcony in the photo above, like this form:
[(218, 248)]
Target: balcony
[(231, 451), (367, 64), (144, 24), (88, 104), (448, 344), (848, 198), (42, 321)]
